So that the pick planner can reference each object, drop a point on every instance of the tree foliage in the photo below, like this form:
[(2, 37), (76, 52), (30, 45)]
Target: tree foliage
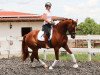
[(89, 26)]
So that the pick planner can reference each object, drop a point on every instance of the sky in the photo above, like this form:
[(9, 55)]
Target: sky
[(75, 9)]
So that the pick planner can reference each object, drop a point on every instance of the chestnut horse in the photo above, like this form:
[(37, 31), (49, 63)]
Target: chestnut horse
[(59, 39)]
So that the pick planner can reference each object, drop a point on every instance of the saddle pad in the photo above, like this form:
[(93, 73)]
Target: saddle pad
[(40, 35)]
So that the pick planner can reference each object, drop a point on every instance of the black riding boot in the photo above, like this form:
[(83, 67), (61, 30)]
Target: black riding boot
[(46, 41)]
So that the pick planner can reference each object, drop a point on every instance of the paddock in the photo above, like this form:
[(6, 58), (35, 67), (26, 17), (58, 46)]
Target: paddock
[(12, 64), (15, 66)]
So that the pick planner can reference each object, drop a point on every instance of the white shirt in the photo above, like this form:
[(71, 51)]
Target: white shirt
[(49, 16)]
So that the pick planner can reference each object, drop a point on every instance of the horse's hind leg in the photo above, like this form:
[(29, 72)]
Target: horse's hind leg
[(33, 56), (32, 59), (36, 56), (72, 55), (44, 64)]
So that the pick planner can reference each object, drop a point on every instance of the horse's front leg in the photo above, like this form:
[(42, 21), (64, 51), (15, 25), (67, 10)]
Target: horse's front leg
[(57, 58), (72, 55)]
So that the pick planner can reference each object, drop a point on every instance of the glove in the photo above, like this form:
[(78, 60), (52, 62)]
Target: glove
[(52, 22)]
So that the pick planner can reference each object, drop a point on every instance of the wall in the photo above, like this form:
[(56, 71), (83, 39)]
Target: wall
[(15, 31), (13, 44)]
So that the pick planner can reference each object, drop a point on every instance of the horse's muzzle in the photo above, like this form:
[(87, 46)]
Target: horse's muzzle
[(73, 35)]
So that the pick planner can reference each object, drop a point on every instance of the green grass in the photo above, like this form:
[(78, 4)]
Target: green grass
[(80, 57), (96, 57)]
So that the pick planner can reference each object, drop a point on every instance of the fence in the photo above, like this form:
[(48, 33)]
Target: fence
[(12, 46), (89, 49)]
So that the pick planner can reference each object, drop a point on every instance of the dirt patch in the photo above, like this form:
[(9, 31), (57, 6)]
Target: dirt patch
[(15, 66)]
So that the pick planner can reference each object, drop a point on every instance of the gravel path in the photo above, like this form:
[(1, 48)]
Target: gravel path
[(14, 66)]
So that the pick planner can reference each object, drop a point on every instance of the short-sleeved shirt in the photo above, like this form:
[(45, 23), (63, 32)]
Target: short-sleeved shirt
[(49, 16)]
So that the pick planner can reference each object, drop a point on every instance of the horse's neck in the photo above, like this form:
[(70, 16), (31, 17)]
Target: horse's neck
[(61, 28)]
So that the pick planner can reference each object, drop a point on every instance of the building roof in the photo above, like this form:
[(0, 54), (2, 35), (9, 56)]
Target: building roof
[(11, 16), (6, 16), (14, 14)]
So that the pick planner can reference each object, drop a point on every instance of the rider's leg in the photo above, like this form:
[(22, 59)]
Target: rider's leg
[(46, 28), (46, 40)]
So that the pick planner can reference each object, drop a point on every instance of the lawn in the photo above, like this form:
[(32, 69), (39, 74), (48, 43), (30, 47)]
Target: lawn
[(67, 57)]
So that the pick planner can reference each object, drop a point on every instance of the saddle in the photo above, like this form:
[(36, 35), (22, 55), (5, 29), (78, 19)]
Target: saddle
[(40, 35)]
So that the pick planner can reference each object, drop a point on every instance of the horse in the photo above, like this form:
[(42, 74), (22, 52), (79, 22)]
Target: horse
[(59, 39)]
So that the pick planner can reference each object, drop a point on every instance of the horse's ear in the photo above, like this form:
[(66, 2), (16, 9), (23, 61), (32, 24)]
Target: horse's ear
[(76, 20)]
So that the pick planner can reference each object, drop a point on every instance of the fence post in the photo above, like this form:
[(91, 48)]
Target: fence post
[(89, 48)]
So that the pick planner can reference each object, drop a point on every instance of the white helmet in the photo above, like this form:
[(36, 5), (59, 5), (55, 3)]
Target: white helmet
[(48, 4)]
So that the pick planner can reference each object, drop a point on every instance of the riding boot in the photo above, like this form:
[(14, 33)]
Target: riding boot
[(46, 41)]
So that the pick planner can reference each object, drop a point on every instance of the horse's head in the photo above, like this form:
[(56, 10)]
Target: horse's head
[(67, 25), (71, 27)]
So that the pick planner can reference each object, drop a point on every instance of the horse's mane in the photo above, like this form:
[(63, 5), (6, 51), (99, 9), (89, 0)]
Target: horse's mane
[(63, 21), (61, 25)]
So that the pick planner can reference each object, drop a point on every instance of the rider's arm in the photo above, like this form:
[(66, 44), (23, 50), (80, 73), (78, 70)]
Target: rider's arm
[(44, 17), (55, 18)]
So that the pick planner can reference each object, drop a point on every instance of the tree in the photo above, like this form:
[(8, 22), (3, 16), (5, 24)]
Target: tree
[(89, 26), (97, 29)]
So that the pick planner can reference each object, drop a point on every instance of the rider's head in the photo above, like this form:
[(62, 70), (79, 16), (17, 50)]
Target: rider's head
[(48, 5)]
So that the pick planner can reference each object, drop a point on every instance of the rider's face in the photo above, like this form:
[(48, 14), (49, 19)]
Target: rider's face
[(48, 7)]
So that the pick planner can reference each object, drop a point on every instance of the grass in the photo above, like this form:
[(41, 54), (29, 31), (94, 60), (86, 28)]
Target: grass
[(80, 57), (96, 57)]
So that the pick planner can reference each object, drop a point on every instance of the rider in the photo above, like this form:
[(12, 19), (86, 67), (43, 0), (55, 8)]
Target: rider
[(47, 22)]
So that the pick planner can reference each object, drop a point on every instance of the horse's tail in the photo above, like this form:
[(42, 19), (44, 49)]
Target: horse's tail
[(25, 52)]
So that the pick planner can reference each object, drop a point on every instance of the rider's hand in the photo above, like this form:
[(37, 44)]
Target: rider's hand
[(52, 22)]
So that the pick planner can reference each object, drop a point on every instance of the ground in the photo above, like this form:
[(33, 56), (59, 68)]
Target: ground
[(15, 66)]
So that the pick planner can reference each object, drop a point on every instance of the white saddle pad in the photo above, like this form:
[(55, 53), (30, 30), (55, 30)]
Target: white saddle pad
[(40, 35)]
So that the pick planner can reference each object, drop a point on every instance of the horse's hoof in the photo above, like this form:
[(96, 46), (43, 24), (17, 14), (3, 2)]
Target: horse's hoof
[(45, 66), (50, 67), (75, 65), (33, 66)]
